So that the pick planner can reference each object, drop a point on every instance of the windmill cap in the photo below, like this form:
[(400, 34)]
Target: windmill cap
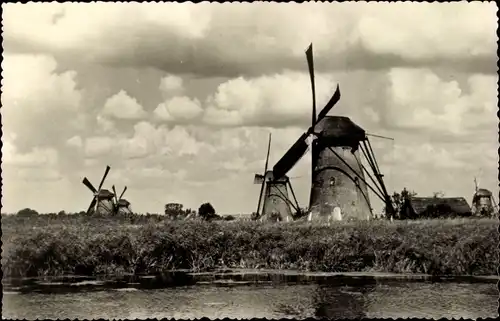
[(123, 202), (270, 176), (483, 192), (104, 193), (340, 128)]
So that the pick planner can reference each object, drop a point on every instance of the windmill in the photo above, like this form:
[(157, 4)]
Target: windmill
[(122, 206), (483, 203), (274, 203), (102, 200), (338, 185)]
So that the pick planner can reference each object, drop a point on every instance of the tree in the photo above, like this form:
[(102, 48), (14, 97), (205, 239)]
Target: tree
[(174, 210), (438, 194), (206, 211), (27, 212), (401, 202)]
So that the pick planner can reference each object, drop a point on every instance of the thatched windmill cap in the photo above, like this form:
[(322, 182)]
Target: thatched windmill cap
[(105, 194), (483, 192), (123, 202), (340, 128)]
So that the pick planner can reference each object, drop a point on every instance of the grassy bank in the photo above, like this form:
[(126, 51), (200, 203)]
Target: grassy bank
[(89, 246)]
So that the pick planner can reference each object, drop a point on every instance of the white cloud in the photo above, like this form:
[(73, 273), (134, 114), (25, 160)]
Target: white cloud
[(33, 92), (75, 141), (38, 157), (122, 106), (278, 100), (421, 100), (171, 85), (234, 38), (98, 146), (180, 108)]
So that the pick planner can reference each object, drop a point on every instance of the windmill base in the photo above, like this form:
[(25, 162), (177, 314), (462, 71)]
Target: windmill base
[(332, 213)]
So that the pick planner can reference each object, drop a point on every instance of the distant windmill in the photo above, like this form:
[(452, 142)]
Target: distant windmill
[(122, 206), (483, 203), (274, 203), (338, 186), (102, 200)]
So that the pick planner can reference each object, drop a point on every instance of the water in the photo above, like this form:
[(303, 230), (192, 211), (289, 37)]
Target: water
[(251, 294)]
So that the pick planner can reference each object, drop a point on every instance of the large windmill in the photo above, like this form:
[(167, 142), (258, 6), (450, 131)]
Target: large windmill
[(122, 206), (339, 189), (274, 203), (102, 200)]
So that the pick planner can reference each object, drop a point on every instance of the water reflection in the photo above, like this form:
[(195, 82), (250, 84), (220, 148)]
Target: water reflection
[(264, 295), (344, 298)]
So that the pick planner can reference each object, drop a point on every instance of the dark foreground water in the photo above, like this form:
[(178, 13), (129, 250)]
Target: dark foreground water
[(251, 294)]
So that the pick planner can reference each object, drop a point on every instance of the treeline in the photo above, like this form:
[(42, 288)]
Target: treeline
[(172, 211)]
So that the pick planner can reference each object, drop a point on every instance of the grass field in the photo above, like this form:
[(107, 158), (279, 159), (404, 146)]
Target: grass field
[(145, 245)]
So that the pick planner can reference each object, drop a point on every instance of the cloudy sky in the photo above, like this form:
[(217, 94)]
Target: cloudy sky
[(179, 98)]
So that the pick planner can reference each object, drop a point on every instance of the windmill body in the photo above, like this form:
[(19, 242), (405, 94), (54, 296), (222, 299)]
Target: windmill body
[(337, 192), (123, 207), (482, 203), (104, 204), (276, 201)]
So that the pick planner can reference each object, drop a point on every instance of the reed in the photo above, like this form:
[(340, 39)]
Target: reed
[(43, 246)]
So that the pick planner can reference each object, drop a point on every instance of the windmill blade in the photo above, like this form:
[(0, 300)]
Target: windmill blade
[(89, 185), (104, 177), (267, 157), (263, 177), (260, 195), (310, 64), (291, 157), (334, 100), (92, 204), (114, 192), (123, 192)]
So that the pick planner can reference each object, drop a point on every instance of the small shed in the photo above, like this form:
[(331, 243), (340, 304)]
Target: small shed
[(434, 207)]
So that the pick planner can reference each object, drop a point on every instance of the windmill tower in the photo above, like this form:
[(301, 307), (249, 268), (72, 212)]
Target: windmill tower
[(121, 206), (483, 203), (102, 200), (339, 189), (274, 203)]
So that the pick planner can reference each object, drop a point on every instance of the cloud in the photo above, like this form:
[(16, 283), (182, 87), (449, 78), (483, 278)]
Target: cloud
[(38, 157), (249, 39), (98, 146), (179, 99), (75, 141), (278, 100), (421, 100), (122, 106), (179, 108), (34, 93), (171, 85)]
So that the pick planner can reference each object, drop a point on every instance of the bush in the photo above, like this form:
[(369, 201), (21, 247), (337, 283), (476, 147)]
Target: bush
[(27, 212), (207, 211)]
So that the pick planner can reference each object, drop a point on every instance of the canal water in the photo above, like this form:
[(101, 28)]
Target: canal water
[(248, 294)]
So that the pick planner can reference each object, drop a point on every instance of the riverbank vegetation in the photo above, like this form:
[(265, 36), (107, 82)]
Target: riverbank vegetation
[(44, 245)]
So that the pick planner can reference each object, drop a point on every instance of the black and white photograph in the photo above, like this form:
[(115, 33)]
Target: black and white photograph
[(241, 160)]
